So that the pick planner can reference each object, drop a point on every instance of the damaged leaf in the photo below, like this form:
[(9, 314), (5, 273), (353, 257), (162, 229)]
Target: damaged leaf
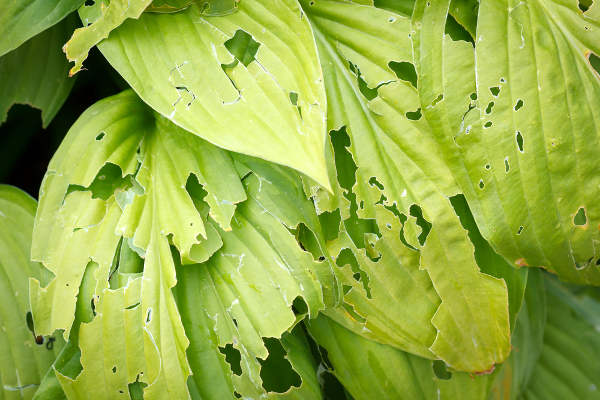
[(195, 71)]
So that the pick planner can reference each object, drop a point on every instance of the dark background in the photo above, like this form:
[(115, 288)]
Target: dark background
[(26, 148)]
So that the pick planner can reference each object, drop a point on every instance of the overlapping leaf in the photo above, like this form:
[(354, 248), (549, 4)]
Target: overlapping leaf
[(248, 82), (22, 19), (36, 73), (370, 370), (25, 358), (402, 175), (531, 141)]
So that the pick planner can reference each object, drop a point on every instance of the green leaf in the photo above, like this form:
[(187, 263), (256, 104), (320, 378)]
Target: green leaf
[(369, 370), (99, 20), (403, 182), (26, 356), (209, 7), (153, 160), (536, 131), (36, 73), (556, 346), (23, 19), (196, 71)]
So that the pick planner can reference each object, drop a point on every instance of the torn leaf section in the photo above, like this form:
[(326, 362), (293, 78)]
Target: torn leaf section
[(99, 20), (129, 207)]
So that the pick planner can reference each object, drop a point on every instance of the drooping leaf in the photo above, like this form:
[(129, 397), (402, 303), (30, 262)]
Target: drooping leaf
[(231, 79), (402, 180), (36, 73), (23, 19), (370, 370), (26, 355)]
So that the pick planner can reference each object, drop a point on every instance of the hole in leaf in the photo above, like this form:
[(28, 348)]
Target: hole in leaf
[(473, 96), (114, 370), (100, 136), (299, 306), (243, 47), (107, 181), (294, 98), (584, 5), (346, 257), (580, 218), (374, 182), (437, 100), (506, 165), (518, 105), (425, 225), (594, 62), (89, 2), (404, 71), (330, 223), (456, 31), (481, 184), (488, 166), (369, 93), (488, 110), (149, 315), (136, 389), (276, 371), (519, 138), (488, 124), (414, 115), (441, 370), (495, 91), (233, 358), (520, 230)]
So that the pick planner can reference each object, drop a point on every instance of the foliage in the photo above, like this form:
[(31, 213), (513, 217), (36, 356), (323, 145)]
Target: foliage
[(306, 199)]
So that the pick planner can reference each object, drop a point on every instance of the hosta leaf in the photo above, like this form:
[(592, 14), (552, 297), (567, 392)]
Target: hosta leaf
[(248, 82), (533, 144), (36, 73), (209, 7), (115, 174), (99, 19), (402, 175), (370, 370), (23, 19), (25, 357), (558, 347), (527, 341)]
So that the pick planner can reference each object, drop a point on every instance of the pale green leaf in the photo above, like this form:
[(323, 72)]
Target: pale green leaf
[(36, 73), (22, 19), (403, 176), (231, 79), (99, 20), (537, 133), (122, 170)]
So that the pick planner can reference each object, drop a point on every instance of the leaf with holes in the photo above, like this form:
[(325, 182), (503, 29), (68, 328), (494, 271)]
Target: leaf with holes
[(248, 82)]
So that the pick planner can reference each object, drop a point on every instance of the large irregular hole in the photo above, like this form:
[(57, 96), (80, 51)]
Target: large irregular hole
[(580, 218), (404, 71), (299, 306), (346, 257), (346, 170), (456, 31), (369, 93), (136, 389), (106, 182), (425, 225), (243, 47), (276, 371), (330, 223), (233, 358)]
